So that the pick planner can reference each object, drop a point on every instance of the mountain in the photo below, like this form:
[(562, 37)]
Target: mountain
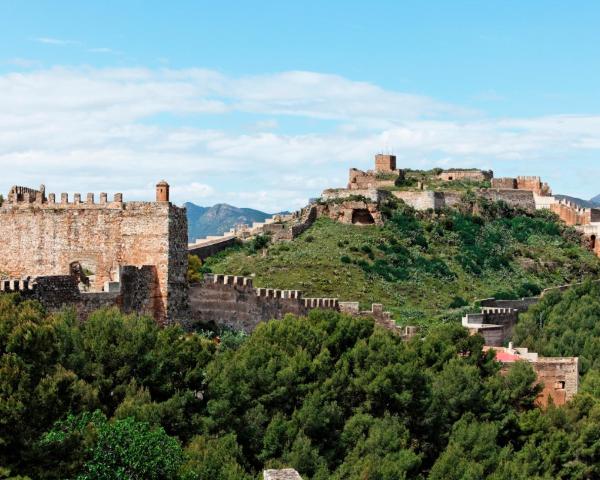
[(596, 200), (218, 219), (580, 201)]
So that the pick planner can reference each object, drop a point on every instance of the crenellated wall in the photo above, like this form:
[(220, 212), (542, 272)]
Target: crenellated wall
[(136, 292), (232, 301), (44, 237), (495, 324)]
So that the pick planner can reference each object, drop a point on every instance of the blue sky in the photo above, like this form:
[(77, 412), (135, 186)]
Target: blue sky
[(266, 103)]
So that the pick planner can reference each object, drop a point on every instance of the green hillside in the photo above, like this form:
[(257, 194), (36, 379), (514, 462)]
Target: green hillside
[(422, 265)]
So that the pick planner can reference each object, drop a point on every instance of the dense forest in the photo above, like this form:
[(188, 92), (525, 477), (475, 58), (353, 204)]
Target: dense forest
[(333, 396)]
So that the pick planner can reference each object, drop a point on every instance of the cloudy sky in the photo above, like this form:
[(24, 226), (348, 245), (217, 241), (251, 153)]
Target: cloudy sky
[(263, 104)]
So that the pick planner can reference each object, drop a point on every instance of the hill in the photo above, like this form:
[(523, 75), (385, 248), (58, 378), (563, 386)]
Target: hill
[(596, 200), (218, 219), (420, 265)]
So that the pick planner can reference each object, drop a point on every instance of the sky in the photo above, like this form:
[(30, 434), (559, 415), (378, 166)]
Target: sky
[(263, 104)]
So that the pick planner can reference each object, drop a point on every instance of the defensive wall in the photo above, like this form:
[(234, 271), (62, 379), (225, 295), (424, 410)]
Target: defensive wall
[(279, 227), (135, 292), (232, 301), (473, 175), (494, 324), (43, 236), (531, 183)]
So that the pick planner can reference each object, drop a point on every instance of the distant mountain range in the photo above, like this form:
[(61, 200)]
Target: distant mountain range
[(218, 219)]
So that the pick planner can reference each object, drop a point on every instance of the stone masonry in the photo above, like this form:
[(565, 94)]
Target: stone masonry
[(232, 301), (558, 376), (43, 236)]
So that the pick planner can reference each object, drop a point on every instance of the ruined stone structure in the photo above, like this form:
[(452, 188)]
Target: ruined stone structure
[(278, 227), (381, 317), (232, 301), (473, 175), (385, 163), (531, 184), (352, 212), (136, 292), (384, 175), (524, 199), (284, 474), (572, 214), (494, 324), (559, 376), (44, 237)]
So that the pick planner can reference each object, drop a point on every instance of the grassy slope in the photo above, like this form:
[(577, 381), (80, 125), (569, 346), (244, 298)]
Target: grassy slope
[(314, 263)]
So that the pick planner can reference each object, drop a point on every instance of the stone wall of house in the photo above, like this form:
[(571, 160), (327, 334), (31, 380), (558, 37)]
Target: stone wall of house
[(45, 237)]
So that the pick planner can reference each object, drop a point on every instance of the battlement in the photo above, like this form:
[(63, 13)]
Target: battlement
[(328, 303), (47, 235), (17, 285), (228, 280), (27, 197)]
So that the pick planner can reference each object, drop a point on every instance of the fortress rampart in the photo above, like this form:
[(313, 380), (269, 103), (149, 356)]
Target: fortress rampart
[(43, 237), (232, 301), (135, 292)]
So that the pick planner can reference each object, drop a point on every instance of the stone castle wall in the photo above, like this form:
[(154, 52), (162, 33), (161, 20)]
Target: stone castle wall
[(232, 301), (135, 293), (516, 198), (43, 238), (473, 175)]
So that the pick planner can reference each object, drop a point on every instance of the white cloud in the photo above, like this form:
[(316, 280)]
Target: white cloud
[(101, 129), (54, 41)]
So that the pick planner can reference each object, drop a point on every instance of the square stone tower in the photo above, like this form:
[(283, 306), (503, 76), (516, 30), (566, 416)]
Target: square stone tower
[(385, 163)]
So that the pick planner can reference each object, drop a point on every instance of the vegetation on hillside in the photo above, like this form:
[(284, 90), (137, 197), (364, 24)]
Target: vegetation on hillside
[(332, 396), (422, 265), (429, 179)]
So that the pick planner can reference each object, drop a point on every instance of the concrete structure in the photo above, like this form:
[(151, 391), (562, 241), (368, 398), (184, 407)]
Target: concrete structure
[(95, 240), (559, 376), (284, 474)]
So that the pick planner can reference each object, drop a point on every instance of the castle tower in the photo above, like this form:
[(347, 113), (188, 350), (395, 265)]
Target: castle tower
[(385, 163), (162, 191)]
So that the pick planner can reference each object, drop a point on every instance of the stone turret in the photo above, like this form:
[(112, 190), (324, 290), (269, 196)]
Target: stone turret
[(162, 191)]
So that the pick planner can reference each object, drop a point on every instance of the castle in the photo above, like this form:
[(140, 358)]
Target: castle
[(94, 242)]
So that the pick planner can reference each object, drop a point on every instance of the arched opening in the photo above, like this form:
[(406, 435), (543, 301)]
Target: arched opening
[(593, 242), (362, 216), (450, 178)]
